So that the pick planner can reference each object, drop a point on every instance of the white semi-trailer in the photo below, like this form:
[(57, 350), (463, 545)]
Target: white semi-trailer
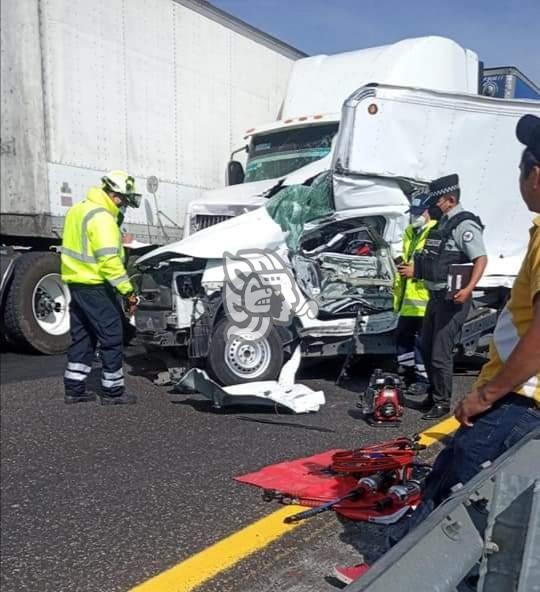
[(159, 87)]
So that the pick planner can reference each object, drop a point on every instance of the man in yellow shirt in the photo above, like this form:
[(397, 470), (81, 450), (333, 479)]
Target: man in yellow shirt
[(504, 404), (93, 268)]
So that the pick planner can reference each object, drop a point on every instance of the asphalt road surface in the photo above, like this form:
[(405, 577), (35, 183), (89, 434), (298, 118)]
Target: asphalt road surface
[(99, 499)]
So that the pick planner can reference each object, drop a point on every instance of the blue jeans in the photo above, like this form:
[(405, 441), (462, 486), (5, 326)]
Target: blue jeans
[(492, 433)]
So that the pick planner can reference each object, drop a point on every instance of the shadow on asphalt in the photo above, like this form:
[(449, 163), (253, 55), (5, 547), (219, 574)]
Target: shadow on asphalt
[(334, 582), (365, 538), (142, 364), (206, 406)]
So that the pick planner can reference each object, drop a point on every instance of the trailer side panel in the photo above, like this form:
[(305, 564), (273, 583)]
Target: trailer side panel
[(25, 203)]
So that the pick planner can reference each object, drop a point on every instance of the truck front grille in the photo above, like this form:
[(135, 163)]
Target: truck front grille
[(202, 221)]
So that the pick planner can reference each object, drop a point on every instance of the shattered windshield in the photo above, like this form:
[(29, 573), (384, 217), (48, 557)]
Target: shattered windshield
[(276, 154), (293, 207)]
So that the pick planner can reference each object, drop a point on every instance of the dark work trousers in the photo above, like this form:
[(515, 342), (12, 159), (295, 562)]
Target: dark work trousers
[(492, 433), (409, 353), (95, 315), (442, 325)]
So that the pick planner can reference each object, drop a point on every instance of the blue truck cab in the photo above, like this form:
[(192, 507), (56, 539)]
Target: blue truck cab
[(508, 83)]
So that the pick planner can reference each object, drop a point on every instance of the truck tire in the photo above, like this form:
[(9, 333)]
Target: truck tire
[(36, 314), (236, 360)]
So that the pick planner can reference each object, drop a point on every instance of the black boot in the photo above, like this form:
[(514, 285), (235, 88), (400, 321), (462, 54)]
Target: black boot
[(70, 399), (123, 399), (417, 396), (437, 411)]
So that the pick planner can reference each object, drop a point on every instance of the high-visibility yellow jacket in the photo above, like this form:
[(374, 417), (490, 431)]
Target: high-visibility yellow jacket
[(411, 295), (92, 251)]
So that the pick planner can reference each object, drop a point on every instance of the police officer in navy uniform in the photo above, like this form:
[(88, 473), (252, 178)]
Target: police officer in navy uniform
[(457, 239)]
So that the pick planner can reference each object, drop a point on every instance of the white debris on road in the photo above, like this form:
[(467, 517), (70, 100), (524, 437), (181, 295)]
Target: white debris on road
[(299, 398)]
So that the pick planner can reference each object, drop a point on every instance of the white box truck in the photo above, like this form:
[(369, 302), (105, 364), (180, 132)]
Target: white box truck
[(332, 240), (158, 87), (309, 118)]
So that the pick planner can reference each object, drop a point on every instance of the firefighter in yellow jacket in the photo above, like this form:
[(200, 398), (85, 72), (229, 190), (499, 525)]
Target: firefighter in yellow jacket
[(93, 268), (410, 299)]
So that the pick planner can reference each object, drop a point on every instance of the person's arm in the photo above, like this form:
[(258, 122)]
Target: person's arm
[(479, 266), (469, 240), (522, 363)]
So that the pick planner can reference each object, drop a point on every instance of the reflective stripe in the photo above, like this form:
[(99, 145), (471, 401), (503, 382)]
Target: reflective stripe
[(406, 356), (77, 367), (84, 224), (112, 383), (420, 367), (106, 251), (120, 280), (113, 375), (85, 257), (78, 256), (407, 363), (79, 376), (412, 302)]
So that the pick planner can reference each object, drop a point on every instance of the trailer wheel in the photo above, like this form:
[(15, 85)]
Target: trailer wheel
[(234, 360), (37, 304)]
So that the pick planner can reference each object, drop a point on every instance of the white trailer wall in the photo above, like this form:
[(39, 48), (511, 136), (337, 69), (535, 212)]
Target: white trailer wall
[(23, 152), (154, 87)]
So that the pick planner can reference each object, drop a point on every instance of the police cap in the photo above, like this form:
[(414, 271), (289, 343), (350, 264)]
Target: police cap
[(420, 202), (443, 186), (528, 133)]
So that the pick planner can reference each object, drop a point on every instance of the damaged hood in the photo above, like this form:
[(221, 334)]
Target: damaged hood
[(235, 195), (254, 230)]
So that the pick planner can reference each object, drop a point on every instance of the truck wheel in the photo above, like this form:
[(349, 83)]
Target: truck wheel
[(37, 304), (236, 360)]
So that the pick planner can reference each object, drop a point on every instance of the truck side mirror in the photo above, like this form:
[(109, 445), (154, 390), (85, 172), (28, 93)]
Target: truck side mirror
[(235, 173)]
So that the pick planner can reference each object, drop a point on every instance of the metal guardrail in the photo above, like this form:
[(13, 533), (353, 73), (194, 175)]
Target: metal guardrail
[(487, 533)]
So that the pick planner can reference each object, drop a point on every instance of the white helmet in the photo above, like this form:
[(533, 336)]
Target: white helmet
[(123, 184)]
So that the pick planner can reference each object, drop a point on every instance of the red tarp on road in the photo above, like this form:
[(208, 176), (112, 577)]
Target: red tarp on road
[(311, 482)]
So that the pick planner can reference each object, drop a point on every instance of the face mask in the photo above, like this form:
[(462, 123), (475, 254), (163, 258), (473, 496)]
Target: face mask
[(121, 215), (435, 212), (417, 222)]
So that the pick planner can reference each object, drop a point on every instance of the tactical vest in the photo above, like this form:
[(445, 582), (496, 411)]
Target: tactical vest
[(433, 263)]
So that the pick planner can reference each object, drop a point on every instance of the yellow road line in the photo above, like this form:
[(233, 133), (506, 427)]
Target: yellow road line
[(206, 564), (224, 554), (439, 431)]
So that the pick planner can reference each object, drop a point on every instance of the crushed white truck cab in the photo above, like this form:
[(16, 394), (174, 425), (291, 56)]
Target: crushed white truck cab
[(336, 234)]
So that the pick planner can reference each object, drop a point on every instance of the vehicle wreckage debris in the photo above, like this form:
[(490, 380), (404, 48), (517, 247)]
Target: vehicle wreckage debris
[(297, 398), (283, 393)]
